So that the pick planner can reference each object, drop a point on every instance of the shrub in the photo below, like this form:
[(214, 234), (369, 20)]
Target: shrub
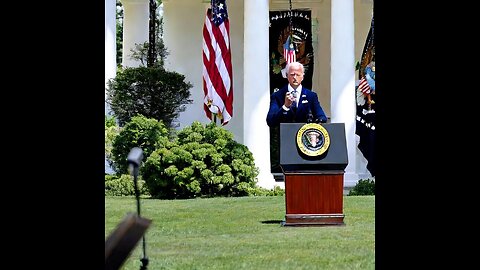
[(200, 161), (363, 187), (150, 91), (111, 131), (124, 185), (143, 132), (259, 191)]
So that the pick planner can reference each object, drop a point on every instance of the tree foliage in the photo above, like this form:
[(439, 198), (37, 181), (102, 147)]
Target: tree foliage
[(150, 91)]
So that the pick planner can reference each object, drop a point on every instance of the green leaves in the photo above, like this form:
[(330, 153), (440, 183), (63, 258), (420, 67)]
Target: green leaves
[(363, 187), (142, 132), (201, 161), (149, 91)]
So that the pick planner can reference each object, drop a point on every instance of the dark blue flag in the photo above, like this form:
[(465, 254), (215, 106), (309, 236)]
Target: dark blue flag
[(365, 93)]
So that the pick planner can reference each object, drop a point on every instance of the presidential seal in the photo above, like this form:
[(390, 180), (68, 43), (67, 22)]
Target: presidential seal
[(313, 139)]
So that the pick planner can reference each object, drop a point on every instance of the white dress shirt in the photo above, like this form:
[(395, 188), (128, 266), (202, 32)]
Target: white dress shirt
[(297, 95)]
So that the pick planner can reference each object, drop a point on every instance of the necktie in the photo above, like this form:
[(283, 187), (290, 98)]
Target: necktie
[(294, 104)]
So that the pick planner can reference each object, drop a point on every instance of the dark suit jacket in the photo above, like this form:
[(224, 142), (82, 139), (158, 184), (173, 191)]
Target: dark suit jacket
[(308, 103)]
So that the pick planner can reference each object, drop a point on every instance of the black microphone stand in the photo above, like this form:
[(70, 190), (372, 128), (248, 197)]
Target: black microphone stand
[(135, 158), (144, 260)]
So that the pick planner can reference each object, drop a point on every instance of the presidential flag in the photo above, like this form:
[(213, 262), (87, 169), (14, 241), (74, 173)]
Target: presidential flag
[(363, 86), (365, 119), (217, 64)]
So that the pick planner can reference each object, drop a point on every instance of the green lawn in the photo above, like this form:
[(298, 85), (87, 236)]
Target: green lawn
[(245, 233)]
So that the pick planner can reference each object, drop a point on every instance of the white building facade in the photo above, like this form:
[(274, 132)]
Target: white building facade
[(339, 30)]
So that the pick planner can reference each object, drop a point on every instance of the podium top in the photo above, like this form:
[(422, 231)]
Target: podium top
[(293, 160)]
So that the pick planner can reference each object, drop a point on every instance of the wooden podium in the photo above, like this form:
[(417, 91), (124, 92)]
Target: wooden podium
[(313, 185)]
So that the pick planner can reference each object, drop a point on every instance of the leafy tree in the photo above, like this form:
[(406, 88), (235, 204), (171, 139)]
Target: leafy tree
[(119, 28), (119, 31), (150, 91), (140, 53)]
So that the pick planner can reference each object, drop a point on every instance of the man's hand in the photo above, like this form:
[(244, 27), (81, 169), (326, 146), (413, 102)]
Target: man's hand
[(289, 99)]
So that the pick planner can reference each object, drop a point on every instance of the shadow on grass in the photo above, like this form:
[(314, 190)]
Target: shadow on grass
[(274, 221)]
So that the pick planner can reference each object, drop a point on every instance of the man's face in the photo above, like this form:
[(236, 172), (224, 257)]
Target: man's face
[(295, 76)]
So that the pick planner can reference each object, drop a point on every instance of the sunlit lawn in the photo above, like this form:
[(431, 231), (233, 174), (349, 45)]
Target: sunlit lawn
[(245, 233)]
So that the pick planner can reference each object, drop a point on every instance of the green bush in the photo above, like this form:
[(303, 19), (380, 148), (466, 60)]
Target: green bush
[(124, 185), (111, 131), (143, 132), (259, 191), (200, 161), (149, 91), (363, 187)]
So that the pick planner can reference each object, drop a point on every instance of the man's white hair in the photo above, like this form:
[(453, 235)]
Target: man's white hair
[(295, 64)]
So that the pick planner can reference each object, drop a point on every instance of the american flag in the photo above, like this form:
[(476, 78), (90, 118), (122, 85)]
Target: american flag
[(363, 86), (217, 63), (289, 51)]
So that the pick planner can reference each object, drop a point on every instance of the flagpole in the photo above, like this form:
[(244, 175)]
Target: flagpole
[(290, 23)]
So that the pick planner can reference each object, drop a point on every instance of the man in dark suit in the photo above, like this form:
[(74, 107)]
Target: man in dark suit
[(294, 103)]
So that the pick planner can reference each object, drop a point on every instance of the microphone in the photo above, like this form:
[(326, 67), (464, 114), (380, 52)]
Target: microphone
[(310, 116), (135, 156), (134, 159)]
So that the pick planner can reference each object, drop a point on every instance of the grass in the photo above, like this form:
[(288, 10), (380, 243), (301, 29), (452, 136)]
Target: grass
[(245, 233)]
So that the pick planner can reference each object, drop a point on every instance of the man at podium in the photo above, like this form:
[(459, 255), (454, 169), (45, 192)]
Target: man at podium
[(294, 103)]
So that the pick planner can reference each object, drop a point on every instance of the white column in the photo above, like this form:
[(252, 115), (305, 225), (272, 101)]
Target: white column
[(110, 53), (343, 78), (256, 87), (110, 42), (135, 28)]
